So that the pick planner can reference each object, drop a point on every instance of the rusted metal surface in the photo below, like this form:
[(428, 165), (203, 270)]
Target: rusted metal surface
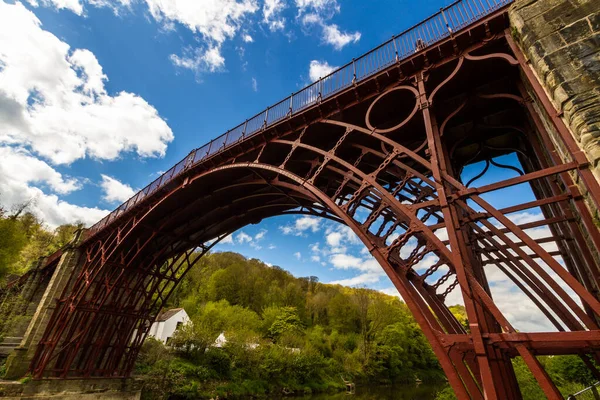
[(444, 24), (384, 157)]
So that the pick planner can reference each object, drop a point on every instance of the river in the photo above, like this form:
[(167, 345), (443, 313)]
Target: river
[(397, 392)]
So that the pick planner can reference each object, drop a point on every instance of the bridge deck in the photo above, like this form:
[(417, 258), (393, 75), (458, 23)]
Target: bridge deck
[(453, 28)]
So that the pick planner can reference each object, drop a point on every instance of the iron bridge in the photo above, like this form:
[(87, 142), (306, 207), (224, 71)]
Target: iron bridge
[(380, 146)]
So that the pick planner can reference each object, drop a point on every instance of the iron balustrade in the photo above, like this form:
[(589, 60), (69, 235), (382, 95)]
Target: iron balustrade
[(439, 26), (590, 393)]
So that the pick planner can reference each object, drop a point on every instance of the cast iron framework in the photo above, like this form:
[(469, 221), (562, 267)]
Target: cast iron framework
[(383, 156)]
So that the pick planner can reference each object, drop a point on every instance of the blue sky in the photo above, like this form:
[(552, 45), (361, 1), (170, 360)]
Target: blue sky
[(98, 97)]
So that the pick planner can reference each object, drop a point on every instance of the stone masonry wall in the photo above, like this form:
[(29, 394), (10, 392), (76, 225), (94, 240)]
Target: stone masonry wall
[(561, 39), (18, 361)]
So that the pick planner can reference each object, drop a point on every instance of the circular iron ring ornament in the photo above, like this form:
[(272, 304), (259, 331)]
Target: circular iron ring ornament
[(402, 123)]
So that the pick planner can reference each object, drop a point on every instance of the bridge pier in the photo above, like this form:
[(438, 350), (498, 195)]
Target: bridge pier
[(18, 363), (72, 389), (561, 42)]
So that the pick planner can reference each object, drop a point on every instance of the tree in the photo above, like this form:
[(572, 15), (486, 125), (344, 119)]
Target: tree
[(282, 321), (461, 315), (343, 314), (12, 242)]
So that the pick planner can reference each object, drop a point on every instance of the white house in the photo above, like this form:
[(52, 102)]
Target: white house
[(167, 322)]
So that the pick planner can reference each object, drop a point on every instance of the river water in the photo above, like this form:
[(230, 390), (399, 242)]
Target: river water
[(397, 392)]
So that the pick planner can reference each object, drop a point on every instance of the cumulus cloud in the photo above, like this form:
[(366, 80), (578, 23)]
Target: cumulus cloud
[(359, 280), (73, 5), (318, 69), (272, 14), (301, 226), (55, 109), (22, 178), (298, 255), (260, 235), (227, 239), (114, 190), (317, 13), (243, 237), (254, 85), (214, 21), (338, 39), (327, 8), (56, 101), (19, 166)]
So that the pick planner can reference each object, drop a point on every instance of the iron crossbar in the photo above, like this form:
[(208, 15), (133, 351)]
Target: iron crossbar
[(419, 37)]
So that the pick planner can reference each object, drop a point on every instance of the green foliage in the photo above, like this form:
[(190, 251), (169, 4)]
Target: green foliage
[(461, 315), (569, 369), (283, 334), (24, 239), (12, 242), (285, 322), (569, 373)]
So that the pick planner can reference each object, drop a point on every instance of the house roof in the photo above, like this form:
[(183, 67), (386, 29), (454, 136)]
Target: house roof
[(167, 314)]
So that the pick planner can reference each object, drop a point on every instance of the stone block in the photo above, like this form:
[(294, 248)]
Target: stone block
[(576, 31), (551, 43), (571, 11), (572, 54), (532, 8), (595, 21)]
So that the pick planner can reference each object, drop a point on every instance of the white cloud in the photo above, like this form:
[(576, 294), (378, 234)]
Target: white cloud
[(334, 239), (115, 191), (302, 225), (200, 60), (272, 14), (243, 237), (314, 247), (53, 99), (333, 36), (324, 7), (298, 255), (359, 280), (260, 235), (316, 13), (73, 5), (254, 84), (305, 223), (345, 261), (20, 172), (227, 240), (54, 106), (18, 166), (214, 21), (315, 258), (319, 69)]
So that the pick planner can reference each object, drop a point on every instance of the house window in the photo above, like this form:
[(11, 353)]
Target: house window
[(178, 325)]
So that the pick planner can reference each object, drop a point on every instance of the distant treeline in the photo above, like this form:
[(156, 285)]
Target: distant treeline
[(24, 238), (285, 335), (309, 335)]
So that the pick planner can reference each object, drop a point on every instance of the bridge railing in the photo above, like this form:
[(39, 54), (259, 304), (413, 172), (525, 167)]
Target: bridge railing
[(435, 28), (590, 393)]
